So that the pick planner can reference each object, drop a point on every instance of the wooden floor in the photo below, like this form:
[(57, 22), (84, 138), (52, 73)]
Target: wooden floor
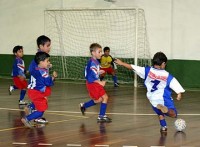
[(134, 122)]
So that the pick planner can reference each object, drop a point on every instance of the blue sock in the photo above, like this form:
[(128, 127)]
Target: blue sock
[(103, 109), (115, 79), (31, 105), (163, 123), (34, 115), (89, 104), (22, 94)]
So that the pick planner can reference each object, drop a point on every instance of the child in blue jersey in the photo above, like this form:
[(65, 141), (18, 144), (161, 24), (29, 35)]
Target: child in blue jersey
[(94, 86), (39, 87), (44, 45), (159, 84), (18, 74)]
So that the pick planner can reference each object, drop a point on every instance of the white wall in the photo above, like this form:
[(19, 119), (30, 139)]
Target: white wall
[(172, 25)]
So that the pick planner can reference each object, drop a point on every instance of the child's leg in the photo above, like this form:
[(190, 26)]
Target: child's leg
[(22, 94), (102, 114), (26, 120)]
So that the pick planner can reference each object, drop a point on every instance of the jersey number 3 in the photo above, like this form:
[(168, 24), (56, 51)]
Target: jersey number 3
[(155, 84)]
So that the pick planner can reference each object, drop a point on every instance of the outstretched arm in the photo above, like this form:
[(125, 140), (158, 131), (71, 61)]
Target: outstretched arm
[(119, 62)]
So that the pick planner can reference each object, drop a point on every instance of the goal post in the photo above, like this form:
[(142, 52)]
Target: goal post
[(73, 30)]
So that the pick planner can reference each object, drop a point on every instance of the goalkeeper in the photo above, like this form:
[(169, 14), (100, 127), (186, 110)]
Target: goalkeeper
[(108, 66)]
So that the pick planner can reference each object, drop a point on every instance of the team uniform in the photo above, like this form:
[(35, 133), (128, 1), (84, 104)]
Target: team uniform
[(95, 90), (38, 91), (91, 74), (19, 70), (31, 107), (107, 65), (159, 84)]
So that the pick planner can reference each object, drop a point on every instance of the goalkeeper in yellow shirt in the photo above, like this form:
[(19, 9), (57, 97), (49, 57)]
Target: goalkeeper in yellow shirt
[(108, 66)]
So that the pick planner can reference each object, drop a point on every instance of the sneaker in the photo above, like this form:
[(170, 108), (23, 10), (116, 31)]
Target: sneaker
[(22, 102), (163, 129), (104, 119), (26, 122), (41, 120), (164, 109), (82, 108), (28, 110), (10, 89), (116, 84)]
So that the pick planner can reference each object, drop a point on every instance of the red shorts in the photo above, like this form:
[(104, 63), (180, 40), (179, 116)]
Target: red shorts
[(39, 98), (108, 70), (20, 84), (95, 90)]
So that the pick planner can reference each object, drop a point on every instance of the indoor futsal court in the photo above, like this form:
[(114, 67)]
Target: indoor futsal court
[(147, 51), (134, 123)]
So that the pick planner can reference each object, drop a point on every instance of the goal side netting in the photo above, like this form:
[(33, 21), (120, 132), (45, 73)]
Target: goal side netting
[(73, 30)]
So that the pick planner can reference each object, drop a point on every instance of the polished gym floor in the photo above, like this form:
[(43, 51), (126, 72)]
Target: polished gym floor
[(134, 122)]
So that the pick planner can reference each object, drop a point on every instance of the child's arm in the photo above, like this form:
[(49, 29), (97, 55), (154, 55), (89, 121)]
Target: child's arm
[(119, 62), (54, 75), (179, 96)]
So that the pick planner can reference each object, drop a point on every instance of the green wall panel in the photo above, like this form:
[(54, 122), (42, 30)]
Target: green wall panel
[(186, 71)]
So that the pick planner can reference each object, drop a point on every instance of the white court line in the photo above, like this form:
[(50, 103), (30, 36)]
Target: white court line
[(128, 114), (73, 145), (101, 145), (157, 146), (19, 143), (47, 144), (129, 146)]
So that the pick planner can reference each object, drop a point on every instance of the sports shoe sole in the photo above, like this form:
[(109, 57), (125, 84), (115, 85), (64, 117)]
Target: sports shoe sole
[(28, 125)]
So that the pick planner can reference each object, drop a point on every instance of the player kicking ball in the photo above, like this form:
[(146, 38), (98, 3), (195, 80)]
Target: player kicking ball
[(159, 84), (94, 86)]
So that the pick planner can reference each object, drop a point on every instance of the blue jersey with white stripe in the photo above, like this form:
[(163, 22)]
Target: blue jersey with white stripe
[(92, 70), (159, 84), (40, 79), (18, 68)]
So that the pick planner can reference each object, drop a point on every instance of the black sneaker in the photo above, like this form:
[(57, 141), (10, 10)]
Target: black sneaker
[(116, 84), (104, 119), (163, 129), (82, 108)]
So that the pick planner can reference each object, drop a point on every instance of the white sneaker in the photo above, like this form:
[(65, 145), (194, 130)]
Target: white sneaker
[(41, 120), (22, 102), (10, 89)]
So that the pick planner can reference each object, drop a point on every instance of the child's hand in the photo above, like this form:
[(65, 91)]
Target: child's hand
[(54, 75), (179, 97), (102, 83), (50, 66), (21, 78), (101, 72)]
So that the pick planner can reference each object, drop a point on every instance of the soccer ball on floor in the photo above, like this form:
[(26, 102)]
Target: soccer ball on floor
[(180, 124)]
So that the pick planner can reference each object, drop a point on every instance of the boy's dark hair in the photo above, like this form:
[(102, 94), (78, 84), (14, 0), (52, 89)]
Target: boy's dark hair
[(159, 58), (106, 48), (94, 46), (40, 56), (16, 48), (41, 40)]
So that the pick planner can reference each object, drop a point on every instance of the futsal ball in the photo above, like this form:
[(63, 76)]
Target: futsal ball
[(180, 124)]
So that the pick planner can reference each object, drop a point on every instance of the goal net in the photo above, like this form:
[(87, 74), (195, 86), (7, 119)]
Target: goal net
[(73, 30)]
